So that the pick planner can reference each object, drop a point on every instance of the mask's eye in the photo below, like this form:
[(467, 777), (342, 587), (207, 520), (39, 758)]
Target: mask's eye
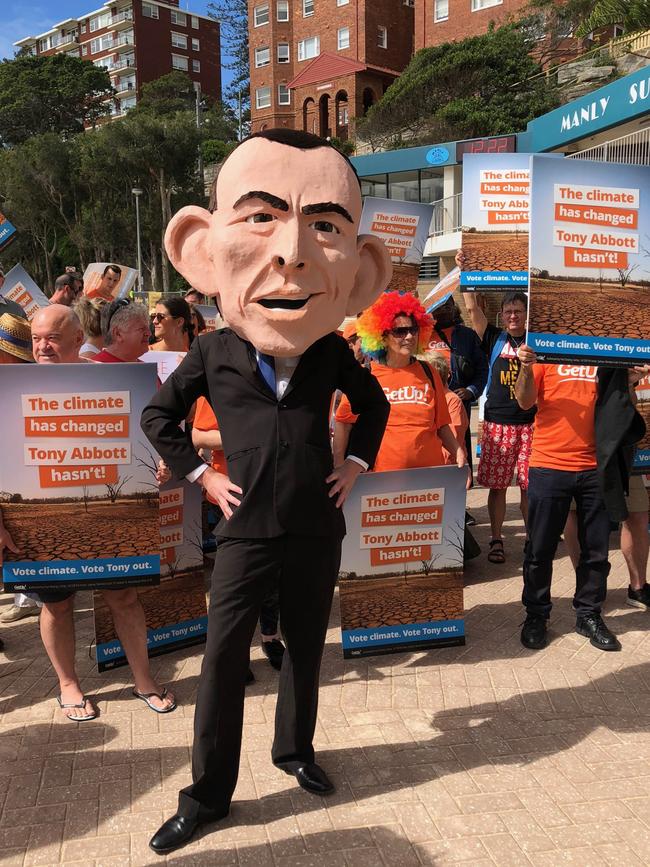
[(325, 226), (260, 218)]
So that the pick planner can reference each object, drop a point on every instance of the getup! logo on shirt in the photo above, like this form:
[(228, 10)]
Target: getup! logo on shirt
[(412, 394), (577, 372)]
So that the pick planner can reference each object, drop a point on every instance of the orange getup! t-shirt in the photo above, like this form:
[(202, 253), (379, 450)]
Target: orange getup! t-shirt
[(459, 424), (563, 436), (205, 419), (416, 412)]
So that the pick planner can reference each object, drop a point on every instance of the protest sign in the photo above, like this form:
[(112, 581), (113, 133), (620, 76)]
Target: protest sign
[(79, 495), (166, 362), (590, 273), (175, 611), (401, 584), (7, 232), (404, 229), (496, 202), (20, 287), (442, 291), (642, 453), (101, 283), (211, 316)]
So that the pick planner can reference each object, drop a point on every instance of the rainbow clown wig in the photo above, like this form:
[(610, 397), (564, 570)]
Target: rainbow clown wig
[(374, 322)]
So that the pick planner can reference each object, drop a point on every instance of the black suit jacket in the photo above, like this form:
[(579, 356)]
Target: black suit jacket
[(277, 451)]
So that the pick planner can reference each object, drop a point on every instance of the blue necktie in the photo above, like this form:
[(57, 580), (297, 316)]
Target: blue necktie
[(266, 367)]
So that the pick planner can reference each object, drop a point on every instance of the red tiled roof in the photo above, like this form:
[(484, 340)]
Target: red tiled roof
[(326, 66)]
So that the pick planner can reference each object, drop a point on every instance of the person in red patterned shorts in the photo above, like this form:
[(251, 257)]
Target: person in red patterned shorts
[(507, 429)]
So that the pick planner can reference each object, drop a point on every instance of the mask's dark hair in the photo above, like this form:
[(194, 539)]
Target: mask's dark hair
[(293, 138), (511, 297), (115, 268)]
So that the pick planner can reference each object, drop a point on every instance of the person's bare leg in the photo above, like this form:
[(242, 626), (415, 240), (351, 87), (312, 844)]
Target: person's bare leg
[(57, 633), (130, 625), (571, 538), (523, 505), (496, 511), (634, 546)]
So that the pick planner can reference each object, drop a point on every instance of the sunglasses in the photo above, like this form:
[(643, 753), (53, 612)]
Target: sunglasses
[(158, 317), (404, 331)]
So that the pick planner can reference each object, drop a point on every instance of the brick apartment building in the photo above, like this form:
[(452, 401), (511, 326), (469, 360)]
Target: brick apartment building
[(138, 41), (317, 64)]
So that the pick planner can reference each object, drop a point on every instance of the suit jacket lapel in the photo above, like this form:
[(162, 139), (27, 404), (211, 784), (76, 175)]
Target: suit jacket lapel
[(242, 355), (306, 365)]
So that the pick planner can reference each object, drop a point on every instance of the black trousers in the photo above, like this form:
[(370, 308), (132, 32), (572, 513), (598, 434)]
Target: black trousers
[(549, 498), (305, 571)]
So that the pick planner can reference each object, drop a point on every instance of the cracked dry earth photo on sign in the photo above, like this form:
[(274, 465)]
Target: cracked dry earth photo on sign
[(495, 251), (82, 529), (370, 602), (593, 308)]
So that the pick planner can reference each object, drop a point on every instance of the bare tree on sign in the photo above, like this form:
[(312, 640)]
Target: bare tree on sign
[(455, 538), (84, 496), (624, 274), (113, 491), (149, 463)]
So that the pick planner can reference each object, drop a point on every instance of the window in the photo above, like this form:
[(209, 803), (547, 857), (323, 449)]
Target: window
[(343, 38), (374, 185), (196, 45), (284, 95), (126, 83), (84, 49), (382, 36), (262, 56), (431, 185), (179, 40), (178, 18), (149, 10), (344, 117), (404, 186), (484, 4), (307, 8), (196, 66), (83, 27), (283, 52), (128, 103), (342, 2), (282, 10), (441, 10), (261, 15), (100, 21), (308, 48), (102, 43), (195, 22), (179, 62), (263, 97)]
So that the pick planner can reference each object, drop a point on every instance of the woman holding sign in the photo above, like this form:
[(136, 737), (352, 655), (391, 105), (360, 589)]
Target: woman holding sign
[(393, 331)]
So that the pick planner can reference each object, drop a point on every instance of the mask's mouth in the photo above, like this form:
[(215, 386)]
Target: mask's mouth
[(284, 303)]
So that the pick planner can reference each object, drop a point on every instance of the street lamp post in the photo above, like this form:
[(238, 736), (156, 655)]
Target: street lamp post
[(137, 192)]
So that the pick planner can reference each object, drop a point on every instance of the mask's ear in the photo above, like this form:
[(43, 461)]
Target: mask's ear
[(373, 276), (185, 242)]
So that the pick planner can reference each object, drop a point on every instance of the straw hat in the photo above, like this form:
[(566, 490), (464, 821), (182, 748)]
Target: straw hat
[(16, 336)]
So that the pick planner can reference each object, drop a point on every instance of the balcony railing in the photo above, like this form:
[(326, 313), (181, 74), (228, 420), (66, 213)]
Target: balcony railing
[(123, 63), (125, 39), (632, 149), (447, 215), (69, 39), (122, 18)]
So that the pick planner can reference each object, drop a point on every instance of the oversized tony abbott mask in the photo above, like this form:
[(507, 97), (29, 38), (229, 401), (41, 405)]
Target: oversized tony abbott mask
[(281, 250)]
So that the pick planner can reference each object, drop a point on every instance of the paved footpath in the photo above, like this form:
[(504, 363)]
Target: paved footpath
[(487, 754)]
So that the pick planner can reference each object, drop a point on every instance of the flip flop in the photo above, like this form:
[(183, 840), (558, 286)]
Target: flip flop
[(496, 553), (82, 705), (145, 696)]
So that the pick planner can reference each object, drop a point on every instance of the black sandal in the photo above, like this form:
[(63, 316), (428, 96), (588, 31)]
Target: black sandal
[(496, 553)]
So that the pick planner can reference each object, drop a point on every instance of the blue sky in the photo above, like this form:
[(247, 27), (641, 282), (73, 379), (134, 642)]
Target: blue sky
[(19, 19)]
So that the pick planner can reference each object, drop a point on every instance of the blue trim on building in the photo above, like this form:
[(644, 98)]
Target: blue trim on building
[(406, 159)]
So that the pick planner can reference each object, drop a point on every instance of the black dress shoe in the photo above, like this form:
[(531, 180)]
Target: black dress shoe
[(312, 778), (274, 652), (533, 633), (594, 628), (173, 833)]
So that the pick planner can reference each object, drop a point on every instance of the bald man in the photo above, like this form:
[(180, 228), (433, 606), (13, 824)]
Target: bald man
[(57, 335)]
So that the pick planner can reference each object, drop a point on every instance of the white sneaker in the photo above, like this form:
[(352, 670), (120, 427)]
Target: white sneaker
[(18, 612)]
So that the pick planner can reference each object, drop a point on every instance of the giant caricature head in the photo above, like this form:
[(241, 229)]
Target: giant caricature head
[(281, 251)]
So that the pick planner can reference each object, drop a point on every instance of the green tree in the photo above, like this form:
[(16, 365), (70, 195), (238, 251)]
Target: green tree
[(461, 90), (582, 17), (233, 18), (59, 94)]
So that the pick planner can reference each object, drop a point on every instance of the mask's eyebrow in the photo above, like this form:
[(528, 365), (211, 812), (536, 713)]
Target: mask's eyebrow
[(327, 208), (269, 198)]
